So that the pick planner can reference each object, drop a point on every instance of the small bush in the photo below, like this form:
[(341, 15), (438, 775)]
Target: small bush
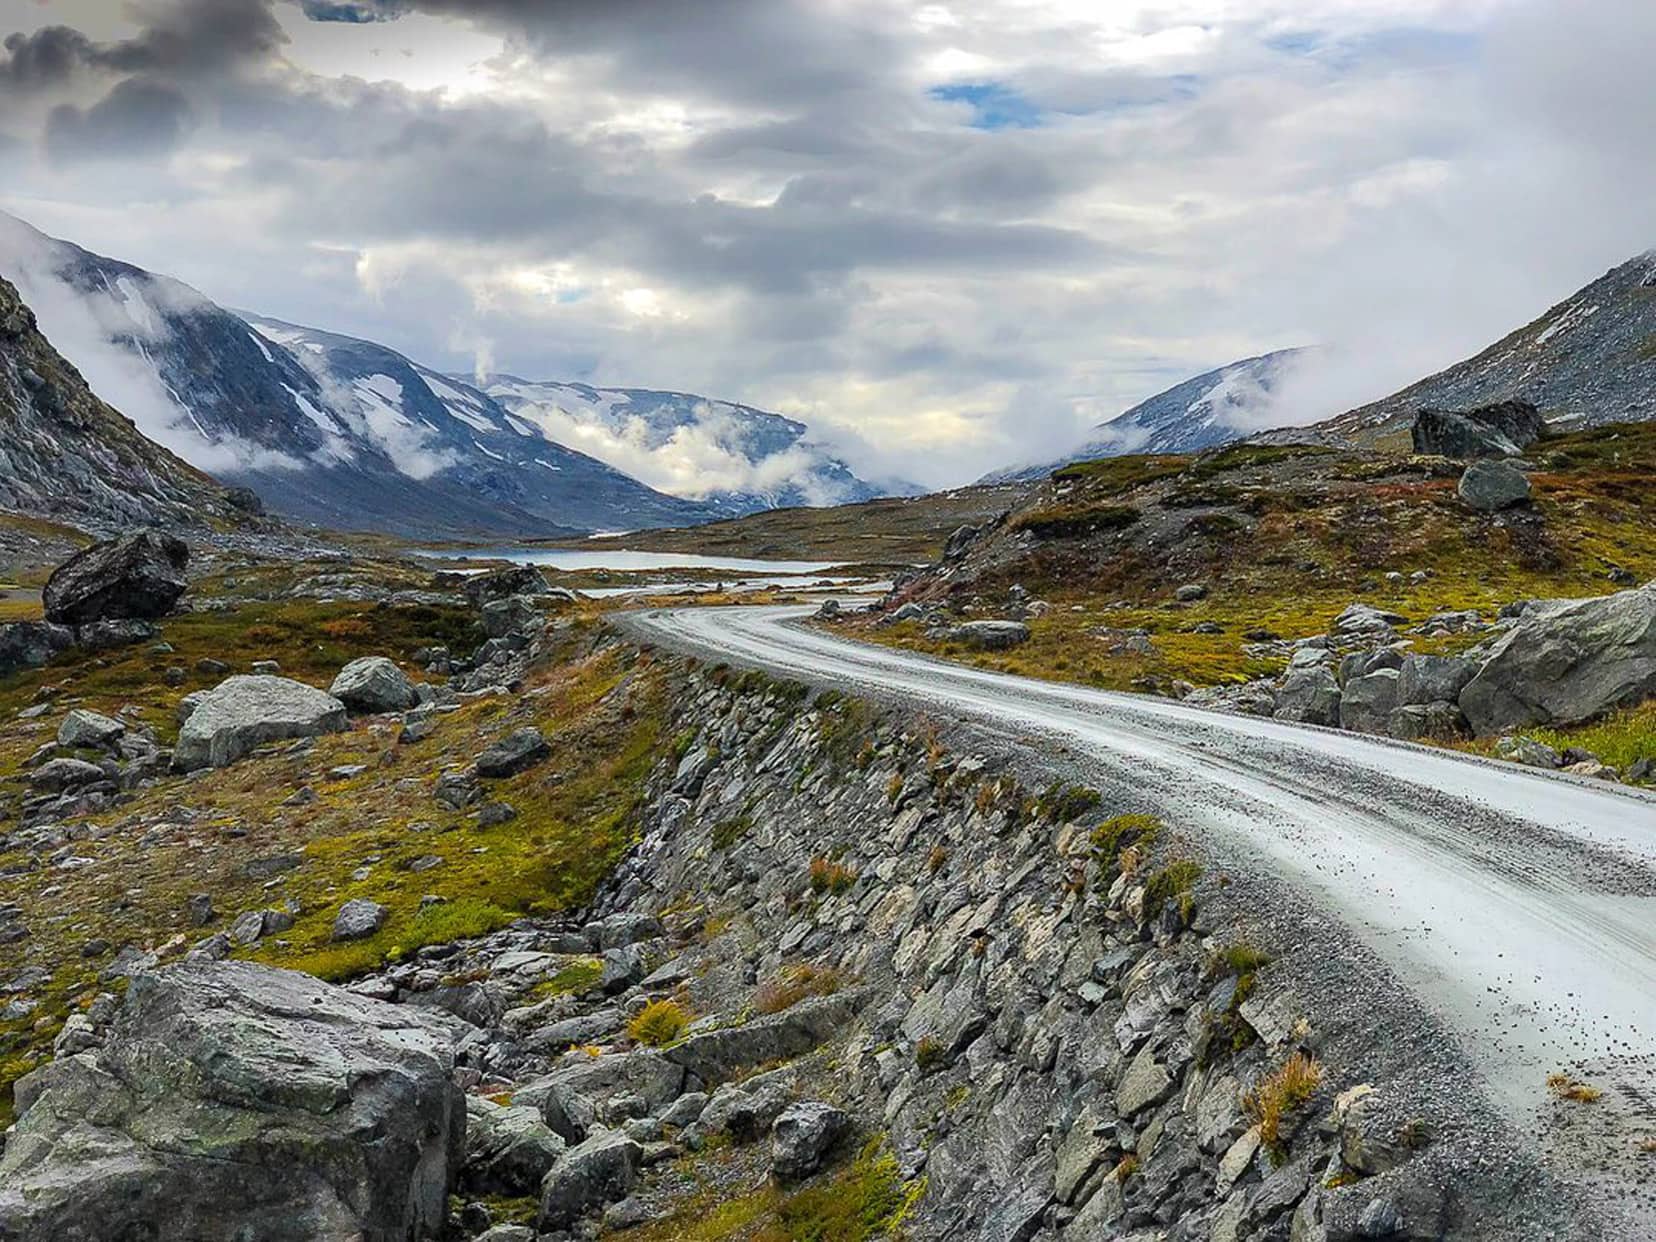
[(937, 859), (1243, 958), (659, 1023), (344, 628), (1276, 1097), (1063, 804), (1115, 835), (929, 1055), (794, 984), (894, 787), (828, 876), (1172, 882)]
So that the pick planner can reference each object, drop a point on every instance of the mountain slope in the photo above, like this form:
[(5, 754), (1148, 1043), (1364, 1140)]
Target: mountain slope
[(1202, 412), (1588, 361), (676, 441), (327, 429), (66, 455)]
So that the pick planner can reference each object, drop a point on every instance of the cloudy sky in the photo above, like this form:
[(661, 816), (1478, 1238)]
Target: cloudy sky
[(947, 235)]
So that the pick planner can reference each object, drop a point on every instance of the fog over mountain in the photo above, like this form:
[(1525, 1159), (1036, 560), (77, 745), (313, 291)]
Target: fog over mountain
[(944, 237)]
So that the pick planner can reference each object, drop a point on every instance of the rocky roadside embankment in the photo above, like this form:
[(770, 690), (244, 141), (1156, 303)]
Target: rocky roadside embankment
[(845, 970)]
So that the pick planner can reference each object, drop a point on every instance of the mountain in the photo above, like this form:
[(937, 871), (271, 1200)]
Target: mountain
[(1588, 361), (1208, 410), (676, 441), (327, 429), (66, 455)]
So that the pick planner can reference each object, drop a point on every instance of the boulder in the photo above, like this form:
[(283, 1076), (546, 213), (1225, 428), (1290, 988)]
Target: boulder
[(513, 615), (509, 1149), (504, 583), (1309, 696), (82, 729), (1433, 679), (803, 1136), (116, 633), (244, 499), (514, 753), (248, 710), (1367, 702), (600, 1171), (959, 542), (1415, 722), (719, 1055), (1529, 752), (1501, 430), (61, 774), (135, 576), (1490, 486), (374, 684), (231, 1100), (989, 635), (1566, 662), (31, 644), (358, 919)]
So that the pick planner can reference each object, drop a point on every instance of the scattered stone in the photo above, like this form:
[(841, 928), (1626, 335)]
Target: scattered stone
[(493, 814), (1190, 592), (374, 684), (135, 576), (199, 908), (989, 635), (358, 919), (269, 668), (517, 752), (244, 712)]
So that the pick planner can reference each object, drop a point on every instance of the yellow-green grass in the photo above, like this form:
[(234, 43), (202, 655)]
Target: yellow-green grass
[(863, 1200), (574, 811), (1620, 739)]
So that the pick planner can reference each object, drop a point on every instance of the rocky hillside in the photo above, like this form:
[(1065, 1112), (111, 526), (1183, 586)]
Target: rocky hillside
[(66, 455), (1378, 591), (1589, 361), (1211, 409), (639, 950)]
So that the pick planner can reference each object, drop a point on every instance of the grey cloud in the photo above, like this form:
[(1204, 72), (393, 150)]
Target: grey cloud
[(44, 60), (138, 119)]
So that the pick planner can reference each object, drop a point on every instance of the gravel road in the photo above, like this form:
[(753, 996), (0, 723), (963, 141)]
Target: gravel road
[(1518, 906)]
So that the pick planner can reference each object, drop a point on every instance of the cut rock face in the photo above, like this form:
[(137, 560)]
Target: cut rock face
[(232, 1100), (249, 710), (136, 576)]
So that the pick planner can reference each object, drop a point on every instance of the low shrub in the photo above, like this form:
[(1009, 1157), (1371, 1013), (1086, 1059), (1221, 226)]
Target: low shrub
[(794, 984), (1278, 1095), (828, 876), (659, 1023)]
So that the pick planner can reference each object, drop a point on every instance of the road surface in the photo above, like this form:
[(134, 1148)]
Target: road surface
[(1519, 906)]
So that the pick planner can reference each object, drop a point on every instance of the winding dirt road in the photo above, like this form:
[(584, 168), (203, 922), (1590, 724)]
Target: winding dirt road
[(1519, 906)]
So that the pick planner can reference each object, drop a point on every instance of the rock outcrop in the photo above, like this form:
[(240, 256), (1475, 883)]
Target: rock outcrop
[(249, 710), (138, 576), (234, 1101)]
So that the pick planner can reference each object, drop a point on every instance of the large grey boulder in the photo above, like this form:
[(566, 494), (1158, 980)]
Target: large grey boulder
[(1490, 486), (1501, 430), (137, 575), (989, 635), (248, 710), (1367, 702), (358, 919), (599, 1171), (234, 1101), (517, 752), (374, 684), (1309, 696), (1566, 662)]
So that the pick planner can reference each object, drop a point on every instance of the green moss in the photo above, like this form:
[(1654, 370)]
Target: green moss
[(1121, 831), (1066, 803), (1172, 882), (728, 832)]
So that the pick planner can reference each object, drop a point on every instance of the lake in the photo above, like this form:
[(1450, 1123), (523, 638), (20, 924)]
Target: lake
[(623, 559)]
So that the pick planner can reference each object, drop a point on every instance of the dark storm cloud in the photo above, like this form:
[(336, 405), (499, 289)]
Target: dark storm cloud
[(44, 60), (138, 119)]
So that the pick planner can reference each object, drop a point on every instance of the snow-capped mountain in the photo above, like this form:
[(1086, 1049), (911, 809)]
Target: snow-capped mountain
[(1203, 412), (1589, 360), (350, 434), (682, 443)]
